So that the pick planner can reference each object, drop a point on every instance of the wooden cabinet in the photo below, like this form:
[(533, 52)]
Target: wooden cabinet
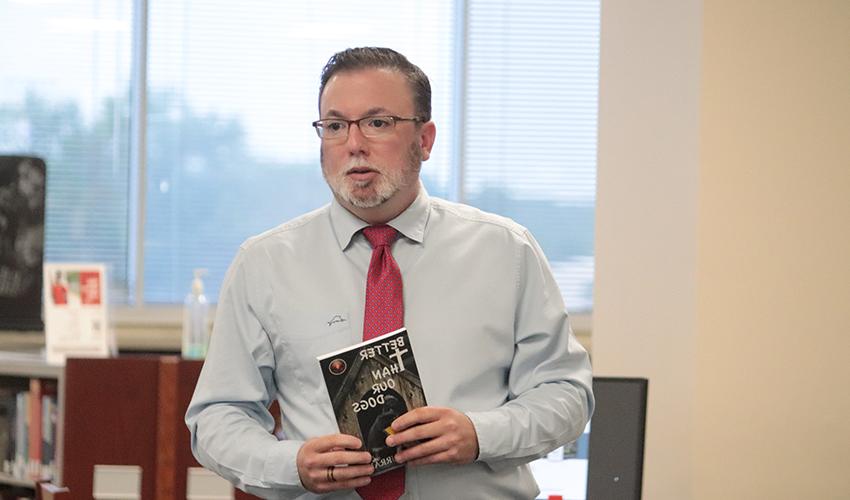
[(129, 411)]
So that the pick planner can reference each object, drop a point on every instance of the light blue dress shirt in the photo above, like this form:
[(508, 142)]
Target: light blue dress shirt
[(486, 321)]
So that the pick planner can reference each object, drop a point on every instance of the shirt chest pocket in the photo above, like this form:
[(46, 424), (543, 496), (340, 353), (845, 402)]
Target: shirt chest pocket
[(304, 337)]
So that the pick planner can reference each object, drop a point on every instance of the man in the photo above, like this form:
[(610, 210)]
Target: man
[(505, 379)]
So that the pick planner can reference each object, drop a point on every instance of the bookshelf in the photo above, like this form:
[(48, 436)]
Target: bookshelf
[(23, 372), (126, 410)]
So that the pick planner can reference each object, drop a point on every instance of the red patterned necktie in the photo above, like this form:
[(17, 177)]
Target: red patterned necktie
[(384, 313)]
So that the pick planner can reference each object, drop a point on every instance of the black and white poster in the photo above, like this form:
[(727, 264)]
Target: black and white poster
[(22, 203)]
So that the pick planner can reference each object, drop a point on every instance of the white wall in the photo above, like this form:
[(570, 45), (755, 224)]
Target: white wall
[(773, 269), (723, 241), (644, 318)]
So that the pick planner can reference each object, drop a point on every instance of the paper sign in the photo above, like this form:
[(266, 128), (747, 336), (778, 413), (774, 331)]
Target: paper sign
[(75, 311)]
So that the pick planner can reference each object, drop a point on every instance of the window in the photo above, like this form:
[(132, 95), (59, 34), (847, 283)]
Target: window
[(230, 92), (529, 144), (63, 96)]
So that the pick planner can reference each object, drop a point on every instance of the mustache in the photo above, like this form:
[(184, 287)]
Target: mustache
[(357, 163)]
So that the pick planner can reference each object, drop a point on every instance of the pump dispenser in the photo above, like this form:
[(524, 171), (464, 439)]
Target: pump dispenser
[(195, 336)]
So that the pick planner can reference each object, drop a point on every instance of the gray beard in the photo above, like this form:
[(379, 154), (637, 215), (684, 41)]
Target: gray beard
[(386, 186)]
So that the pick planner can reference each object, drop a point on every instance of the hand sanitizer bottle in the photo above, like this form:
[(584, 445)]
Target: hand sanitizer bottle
[(195, 309)]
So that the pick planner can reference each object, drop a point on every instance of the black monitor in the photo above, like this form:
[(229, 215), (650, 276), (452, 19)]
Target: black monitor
[(22, 212), (607, 460), (616, 443)]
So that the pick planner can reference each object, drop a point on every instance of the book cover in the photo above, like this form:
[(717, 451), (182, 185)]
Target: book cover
[(371, 384)]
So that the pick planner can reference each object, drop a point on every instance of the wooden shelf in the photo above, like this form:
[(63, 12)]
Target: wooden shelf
[(16, 364), (16, 481)]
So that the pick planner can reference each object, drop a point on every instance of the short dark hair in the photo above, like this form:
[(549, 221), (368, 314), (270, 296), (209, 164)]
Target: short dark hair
[(382, 58)]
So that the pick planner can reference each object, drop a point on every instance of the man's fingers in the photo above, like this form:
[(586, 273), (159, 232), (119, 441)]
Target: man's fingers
[(428, 425), (343, 474), (417, 416), (346, 457), (434, 435), (414, 434), (328, 443), (336, 458), (333, 462), (340, 478), (340, 474), (424, 449)]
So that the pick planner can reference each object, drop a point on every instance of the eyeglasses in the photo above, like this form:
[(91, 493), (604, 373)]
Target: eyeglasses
[(336, 129)]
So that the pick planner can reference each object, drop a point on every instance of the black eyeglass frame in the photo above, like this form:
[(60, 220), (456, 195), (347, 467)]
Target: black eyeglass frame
[(318, 124)]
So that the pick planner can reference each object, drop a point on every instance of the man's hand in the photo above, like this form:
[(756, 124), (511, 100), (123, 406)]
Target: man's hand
[(446, 435), (333, 462)]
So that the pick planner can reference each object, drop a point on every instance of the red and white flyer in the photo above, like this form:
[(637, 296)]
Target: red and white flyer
[(75, 311)]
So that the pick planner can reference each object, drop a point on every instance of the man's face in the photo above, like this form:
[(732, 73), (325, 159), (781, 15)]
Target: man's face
[(370, 173)]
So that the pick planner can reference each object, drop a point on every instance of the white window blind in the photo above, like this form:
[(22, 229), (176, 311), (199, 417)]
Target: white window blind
[(64, 88), (530, 135), (232, 91)]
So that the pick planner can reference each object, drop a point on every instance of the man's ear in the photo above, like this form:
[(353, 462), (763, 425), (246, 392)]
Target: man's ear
[(427, 135)]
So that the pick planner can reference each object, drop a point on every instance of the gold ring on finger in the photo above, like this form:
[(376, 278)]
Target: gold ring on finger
[(331, 474)]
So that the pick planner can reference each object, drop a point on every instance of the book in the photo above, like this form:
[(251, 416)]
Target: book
[(22, 419), (34, 424), (370, 384), (41, 394), (49, 422), (8, 429)]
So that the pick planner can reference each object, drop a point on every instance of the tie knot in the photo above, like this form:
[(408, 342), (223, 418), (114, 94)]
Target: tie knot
[(379, 236)]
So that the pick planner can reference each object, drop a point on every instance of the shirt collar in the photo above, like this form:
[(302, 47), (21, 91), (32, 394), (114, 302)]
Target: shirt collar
[(411, 223)]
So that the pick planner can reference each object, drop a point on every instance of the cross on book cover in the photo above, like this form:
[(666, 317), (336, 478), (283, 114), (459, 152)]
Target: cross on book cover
[(371, 384)]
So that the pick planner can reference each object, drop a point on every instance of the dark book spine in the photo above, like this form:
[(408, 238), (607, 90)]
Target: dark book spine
[(8, 407)]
